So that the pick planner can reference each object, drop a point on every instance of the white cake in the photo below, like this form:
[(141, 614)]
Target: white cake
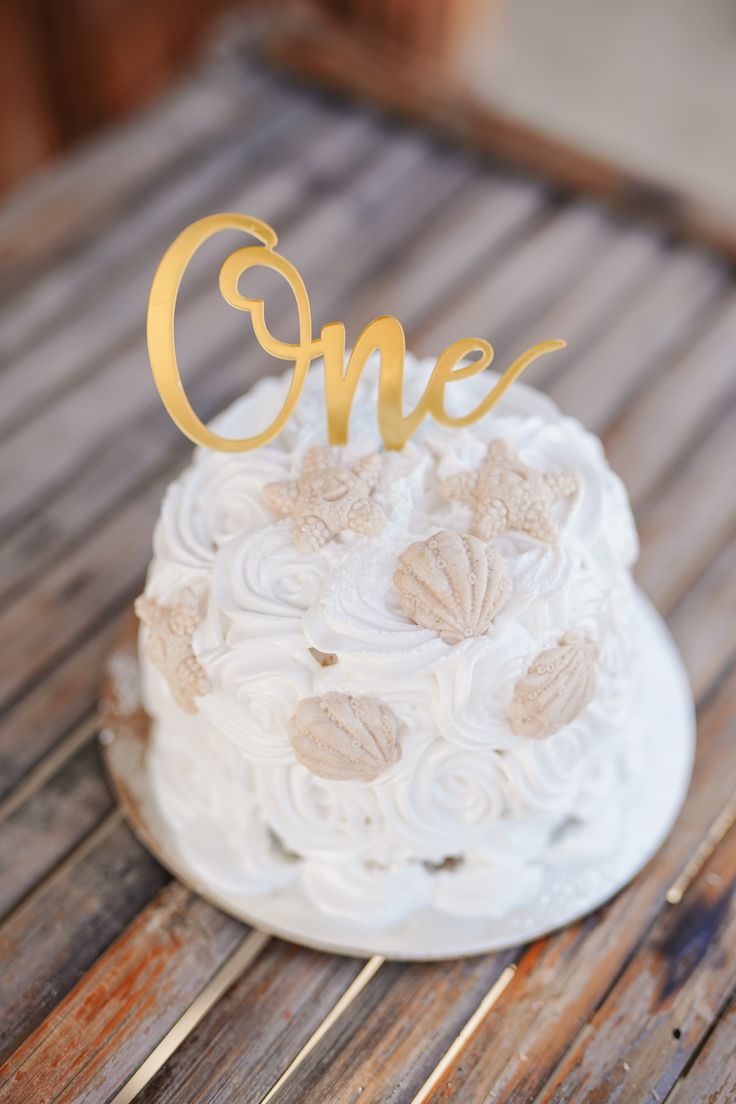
[(392, 680)]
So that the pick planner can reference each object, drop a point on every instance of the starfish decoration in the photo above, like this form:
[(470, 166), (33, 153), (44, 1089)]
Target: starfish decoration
[(505, 494), (328, 498), (169, 645)]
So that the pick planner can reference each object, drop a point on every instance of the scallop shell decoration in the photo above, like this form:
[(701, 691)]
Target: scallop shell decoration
[(556, 688), (454, 584), (344, 737)]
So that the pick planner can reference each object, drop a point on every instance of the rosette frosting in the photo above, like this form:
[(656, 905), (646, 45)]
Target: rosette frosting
[(469, 801)]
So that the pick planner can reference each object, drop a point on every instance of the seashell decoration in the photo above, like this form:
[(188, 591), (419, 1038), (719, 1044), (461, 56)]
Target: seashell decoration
[(344, 737), (506, 494), (454, 584), (328, 499), (556, 688), (169, 645)]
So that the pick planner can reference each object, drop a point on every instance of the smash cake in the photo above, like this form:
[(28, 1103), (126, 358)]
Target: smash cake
[(395, 690), (389, 684)]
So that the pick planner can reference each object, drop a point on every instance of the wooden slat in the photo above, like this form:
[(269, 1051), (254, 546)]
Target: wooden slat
[(691, 518), (703, 622), (603, 290), (598, 386), (253, 1033), (712, 1078), (642, 1036), (50, 823), (106, 292), (478, 230), (502, 301), (560, 980), (674, 409), (66, 202), (64, 284), (99, 1034), (51, 709), (61, 929)]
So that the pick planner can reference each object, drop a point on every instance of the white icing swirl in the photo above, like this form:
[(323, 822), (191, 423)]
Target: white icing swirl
[(262, 587), (466, 786)]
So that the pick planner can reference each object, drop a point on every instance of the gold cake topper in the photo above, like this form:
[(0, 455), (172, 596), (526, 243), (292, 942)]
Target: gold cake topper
[(385, 335)]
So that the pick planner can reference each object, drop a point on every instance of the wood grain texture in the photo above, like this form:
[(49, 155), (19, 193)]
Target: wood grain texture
[(51, 823), (95, 307), (612, 370), (397, 1030), (643, 1034), (673, 410), (712, 1077), (59, 931), (378, 218), (53, 706), (245, 1043), (78, 195), (96, 1037)]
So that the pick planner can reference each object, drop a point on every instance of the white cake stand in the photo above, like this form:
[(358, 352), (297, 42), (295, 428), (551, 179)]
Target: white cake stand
[(568, 889)]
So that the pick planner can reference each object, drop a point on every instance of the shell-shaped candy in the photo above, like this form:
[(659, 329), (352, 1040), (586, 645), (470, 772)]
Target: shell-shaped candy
[(342, 736), (556, 688), (453, 583)]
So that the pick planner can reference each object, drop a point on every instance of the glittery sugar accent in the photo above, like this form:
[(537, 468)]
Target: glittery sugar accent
[(328, 499), (169, 645), (505, 494)]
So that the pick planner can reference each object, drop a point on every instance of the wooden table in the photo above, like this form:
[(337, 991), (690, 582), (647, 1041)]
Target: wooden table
[(113, 971)]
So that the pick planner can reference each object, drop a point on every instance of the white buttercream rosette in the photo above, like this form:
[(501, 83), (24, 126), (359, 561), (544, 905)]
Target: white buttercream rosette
[(465, 786)]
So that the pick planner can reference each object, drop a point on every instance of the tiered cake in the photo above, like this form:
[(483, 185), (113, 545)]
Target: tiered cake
[(392, 680)]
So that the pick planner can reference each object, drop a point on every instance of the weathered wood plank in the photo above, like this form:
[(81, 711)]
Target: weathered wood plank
[(64, 204), (560, 980), (396, 1031), (602, 292), (51, 939), (501, 302), (479, 229), (673, 409), (50, 823), (599, 385), (692, 516), (106, 295), (90, 585), (63, 285), (703, 622), (99, 1034), (712, 1077), (640, 1039), (242, 1046), (54, 706)]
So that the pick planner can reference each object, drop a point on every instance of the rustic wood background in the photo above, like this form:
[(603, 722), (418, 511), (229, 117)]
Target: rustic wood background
[(113, 972)]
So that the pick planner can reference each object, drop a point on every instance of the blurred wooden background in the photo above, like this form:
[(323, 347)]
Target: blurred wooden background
[(70, 66)]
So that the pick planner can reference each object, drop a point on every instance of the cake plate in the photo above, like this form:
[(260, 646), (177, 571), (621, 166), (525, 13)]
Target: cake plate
[(568, 889)]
